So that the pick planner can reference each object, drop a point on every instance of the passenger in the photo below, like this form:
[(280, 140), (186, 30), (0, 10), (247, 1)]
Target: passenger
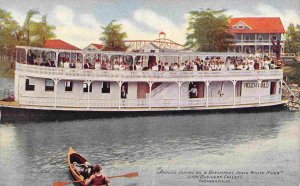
[(160, 66), (87, 65), (72, 64), (193, 92), (97, 65), (97, 179), (155, 67), (266, 65), (195, 67), (182, 67), (116, 66), (251, 66), (78, 64), (67, 64), (231, 66), (175, 67), (166, 67), (122, 66), (30, 58), (138, 66), (256, 65), (109, 65)]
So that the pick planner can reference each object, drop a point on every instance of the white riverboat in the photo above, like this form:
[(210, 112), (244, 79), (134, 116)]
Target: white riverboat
[(77, 80)]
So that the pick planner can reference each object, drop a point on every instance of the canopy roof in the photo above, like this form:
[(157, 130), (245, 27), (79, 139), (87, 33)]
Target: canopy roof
[(161, 54)]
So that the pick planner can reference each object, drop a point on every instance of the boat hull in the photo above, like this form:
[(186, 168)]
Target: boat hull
[(74, 156), (22, 115)]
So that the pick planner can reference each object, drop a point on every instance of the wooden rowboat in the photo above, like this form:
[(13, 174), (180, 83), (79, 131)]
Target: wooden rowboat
[(75, 158)]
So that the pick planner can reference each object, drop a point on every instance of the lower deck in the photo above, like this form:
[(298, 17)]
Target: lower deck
[(12, 112)]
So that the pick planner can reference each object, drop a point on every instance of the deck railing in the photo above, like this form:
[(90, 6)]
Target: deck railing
[(144, 103), (113, 75)]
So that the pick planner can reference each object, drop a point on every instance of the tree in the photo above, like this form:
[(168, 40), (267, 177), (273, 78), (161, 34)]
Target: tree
[(113, 37), (292, 42), (8, 30), (41, 31), (208, 31), (27, 26)]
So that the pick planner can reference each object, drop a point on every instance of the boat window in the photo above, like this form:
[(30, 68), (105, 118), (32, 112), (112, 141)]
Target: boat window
[(49, 85), (85, 87), (29, 85), (68, 85), (106, 87)]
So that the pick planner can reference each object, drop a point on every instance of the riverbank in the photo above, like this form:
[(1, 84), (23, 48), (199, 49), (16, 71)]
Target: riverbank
[(6, 70), (292, 72)]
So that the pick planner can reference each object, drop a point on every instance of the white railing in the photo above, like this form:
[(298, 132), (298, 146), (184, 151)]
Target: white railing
[(143, 103), (111, 75)]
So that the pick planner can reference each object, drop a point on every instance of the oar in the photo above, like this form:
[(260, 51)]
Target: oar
[(63, 183), (128, 175)]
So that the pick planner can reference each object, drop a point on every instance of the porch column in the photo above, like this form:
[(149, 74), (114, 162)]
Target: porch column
[(133, 61), (234, 83), (88, 82), (120, 86), (259, 85), (207, 84), (83, 59), (150, 92), (55, 91), (56, 58), (242, 41), (255, 43), (179, 93), (26, 56), (280, 90)]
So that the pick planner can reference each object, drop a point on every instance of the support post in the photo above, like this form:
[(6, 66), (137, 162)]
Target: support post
[(179, 93), (150, 92), (56, 58), (207, 84), (55, 91), (259, 85), (234, 83), (88, 82), (120, 86)]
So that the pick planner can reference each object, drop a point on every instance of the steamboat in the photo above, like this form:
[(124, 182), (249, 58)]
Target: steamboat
[(102, 82)]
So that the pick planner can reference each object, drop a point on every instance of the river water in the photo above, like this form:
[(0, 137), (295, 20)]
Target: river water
[(164, 149), (187, 149)]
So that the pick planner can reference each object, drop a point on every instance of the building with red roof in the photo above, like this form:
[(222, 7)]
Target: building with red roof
[(255, 34), (59, 44), (94, 46)]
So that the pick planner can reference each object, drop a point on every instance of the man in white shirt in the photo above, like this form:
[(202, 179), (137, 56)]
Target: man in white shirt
[(155, 67), (66, 64)]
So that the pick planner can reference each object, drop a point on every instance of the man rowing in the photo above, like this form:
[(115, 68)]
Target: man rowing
[(97, 179)]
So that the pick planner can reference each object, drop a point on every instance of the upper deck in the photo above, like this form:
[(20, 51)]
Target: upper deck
[(145, 76), (217, 66)]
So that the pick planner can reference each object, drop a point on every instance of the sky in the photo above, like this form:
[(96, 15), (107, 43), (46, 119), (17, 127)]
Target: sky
[(79, 22)]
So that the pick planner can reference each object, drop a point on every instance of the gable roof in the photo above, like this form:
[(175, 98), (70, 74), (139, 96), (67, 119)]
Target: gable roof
[(98, 46), (59, 44), (261, 25)]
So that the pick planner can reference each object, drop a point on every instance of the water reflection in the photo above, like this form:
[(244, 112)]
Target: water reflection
[(37, 151)]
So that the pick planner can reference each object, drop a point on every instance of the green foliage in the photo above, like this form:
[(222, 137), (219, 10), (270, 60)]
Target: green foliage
[(41, 31), (208, 31), (9, 29), (27, 26), (32, 33), (113, 37), (292, 42)]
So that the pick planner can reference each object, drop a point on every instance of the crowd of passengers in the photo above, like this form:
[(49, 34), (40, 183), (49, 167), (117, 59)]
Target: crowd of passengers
[(207, 64)]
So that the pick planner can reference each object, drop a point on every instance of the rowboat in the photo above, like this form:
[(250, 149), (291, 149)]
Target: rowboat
[(75, 160)]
